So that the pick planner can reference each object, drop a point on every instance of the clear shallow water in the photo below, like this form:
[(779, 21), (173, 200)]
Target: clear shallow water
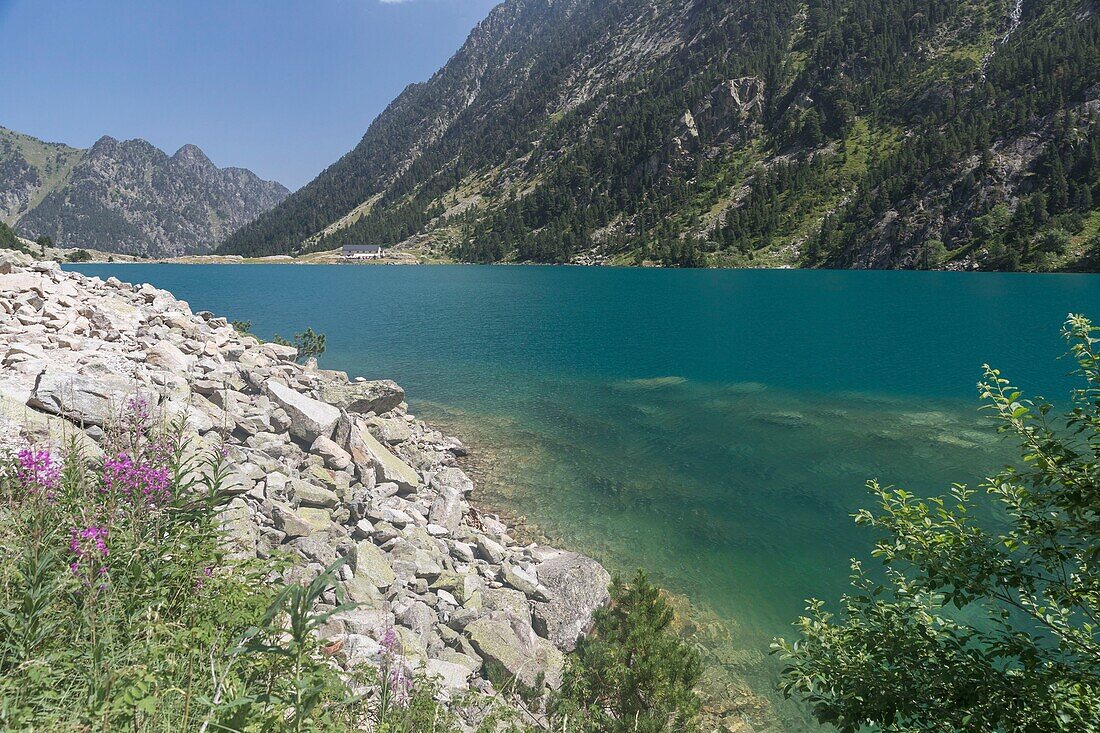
[(714, 427)]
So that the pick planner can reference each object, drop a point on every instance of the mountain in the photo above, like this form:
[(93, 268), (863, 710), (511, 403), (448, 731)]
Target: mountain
[(842, 133), (126, 196)]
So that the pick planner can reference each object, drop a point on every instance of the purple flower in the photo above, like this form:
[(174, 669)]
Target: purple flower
[(200, 581), (396, 673), (389, 640), (37, 470), (89, 549), (136, 415), (145, 484), (401, 683)]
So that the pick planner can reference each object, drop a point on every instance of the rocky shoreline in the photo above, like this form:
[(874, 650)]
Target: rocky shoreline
[(321, 467)]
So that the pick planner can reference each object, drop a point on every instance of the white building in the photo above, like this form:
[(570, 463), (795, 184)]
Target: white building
[(361, 252)]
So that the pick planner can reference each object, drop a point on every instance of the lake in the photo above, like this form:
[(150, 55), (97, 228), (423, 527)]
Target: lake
[(715, 427)]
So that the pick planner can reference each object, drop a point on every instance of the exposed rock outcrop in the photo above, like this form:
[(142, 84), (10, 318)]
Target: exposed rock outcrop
[(470, 605)]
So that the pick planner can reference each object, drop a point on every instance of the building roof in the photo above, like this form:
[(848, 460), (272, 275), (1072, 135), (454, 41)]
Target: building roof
[(362, 248)]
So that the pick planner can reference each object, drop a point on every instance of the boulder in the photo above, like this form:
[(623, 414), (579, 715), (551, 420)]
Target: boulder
[(288, 522), (524, 581), (447, 510), (576, 586), (508, 601), (90, 400), (512, 649), (366, 450), (451, 478), (279, 352), (373, 565), (239, 539), (167, 356), (311, 495), (309, 418), (334, 456), (490, 550), (449, 675), (392, 430), (363, 397)]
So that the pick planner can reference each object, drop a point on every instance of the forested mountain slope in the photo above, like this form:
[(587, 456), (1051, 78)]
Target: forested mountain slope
[(125, 196), (851, 133)]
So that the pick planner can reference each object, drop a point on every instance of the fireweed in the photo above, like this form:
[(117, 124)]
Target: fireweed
[(89, 550), (144, 484), (120, 611), (138, 468), (37, 471), (397, 678)]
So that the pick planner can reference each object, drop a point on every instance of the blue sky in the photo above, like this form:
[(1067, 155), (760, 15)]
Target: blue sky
[(284, 88)]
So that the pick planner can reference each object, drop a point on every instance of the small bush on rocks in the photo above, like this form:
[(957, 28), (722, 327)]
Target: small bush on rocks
[(309, 343), (633, 674)]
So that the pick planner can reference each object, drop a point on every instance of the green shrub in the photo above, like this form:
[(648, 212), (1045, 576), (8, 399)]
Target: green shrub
[(633, 675), (80, 255), (978, 626), (309, 343), (8, 240)]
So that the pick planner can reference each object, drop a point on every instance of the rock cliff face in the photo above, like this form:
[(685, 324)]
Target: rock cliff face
[(126, 196), (321, 466)]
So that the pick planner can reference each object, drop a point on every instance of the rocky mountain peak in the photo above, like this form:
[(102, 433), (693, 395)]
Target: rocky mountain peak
[(126, 196), (192, 154)]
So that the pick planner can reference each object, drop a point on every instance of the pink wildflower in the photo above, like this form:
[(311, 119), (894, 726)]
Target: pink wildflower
[(37, 470), (200, 581), (89, 549), (397, 674), (143, 483), (136, 415)]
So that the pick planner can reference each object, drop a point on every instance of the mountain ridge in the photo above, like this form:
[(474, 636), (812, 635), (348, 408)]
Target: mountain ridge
[(840, 133), (126, 196)]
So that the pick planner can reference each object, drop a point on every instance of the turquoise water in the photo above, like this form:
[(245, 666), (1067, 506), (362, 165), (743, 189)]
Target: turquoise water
[(714, 427)]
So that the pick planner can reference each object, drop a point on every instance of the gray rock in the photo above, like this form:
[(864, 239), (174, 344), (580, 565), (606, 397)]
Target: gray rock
[(317, 548), (279, 352), (452, 479), (449, 675), (373, 565), (447, 509), (240, 532), (365, 449), (167, 356), (362, 591), (389, 430), (524, 581), (309, 418), (490, 550), (311, 495), (500, 600), (363, 397), (82, 398), (577, 586), (335, 457), (516, 651), (412, 561), (289, 522), (368, 622)]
